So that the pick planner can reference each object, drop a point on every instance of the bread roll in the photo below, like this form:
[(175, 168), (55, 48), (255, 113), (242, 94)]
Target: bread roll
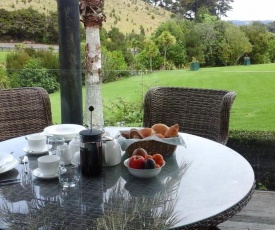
[(160, 128), (125, 134), (146, 132), (172, 131), (134, 134)]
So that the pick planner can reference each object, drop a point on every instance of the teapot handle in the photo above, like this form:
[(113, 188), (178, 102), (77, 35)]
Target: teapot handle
[(105, 155)]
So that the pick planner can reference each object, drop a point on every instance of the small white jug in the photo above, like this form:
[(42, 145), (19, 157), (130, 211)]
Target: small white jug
[(111, 151), (74, 145), (65, 154)]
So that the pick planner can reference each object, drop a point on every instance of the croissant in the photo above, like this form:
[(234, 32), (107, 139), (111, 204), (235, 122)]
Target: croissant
[(160, 128), (159, 135), (172, 131), (146, 132)]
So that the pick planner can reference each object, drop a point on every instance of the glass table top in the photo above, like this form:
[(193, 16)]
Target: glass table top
[(198, 183)]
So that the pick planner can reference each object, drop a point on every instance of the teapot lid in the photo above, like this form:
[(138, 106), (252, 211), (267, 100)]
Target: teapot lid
[(89, 135), (75, 140), (107, 138)]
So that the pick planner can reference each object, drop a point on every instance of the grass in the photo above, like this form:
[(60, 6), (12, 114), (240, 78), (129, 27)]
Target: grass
[(253, 109)]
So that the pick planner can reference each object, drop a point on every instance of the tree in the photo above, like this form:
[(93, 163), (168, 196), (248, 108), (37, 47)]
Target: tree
[(271, 27), (151, 49), (203, 15), (208, 42), (166, 40), (114, 65), (222, 7), (177, 52), (92, 16), (30, 25), (234, 45), (194, 44), (271, 49), (258, 36), (189, 8)]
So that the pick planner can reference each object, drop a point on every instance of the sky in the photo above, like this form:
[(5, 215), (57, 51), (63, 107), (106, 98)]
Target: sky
[(251, 10)]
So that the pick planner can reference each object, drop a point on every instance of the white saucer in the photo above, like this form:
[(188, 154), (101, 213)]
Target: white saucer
[(45, 150), (5, 158), (36, 172), (10, 165)]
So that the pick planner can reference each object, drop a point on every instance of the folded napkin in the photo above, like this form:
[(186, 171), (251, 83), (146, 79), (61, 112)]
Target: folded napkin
[(124, 143)]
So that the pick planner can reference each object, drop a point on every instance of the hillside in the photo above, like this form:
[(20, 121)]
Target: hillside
[(127, 15)]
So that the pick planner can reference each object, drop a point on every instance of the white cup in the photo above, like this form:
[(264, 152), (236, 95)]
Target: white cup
[(36, 142), (65, 154), (48, 165)]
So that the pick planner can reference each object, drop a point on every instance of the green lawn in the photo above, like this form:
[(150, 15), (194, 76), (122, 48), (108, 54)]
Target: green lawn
[(253, 109)]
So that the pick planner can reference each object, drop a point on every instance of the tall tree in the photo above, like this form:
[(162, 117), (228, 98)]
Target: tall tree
[(234, 45), (258, 36), (92, 16), (190, 8), (151, 49), (166, 39)]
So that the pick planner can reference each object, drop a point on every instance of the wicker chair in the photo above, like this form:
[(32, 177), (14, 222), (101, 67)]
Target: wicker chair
[(202, 112), (23, 111)]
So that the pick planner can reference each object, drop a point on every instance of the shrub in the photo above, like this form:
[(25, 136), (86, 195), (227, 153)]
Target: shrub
[(34, 75), (16, 61), (123, 113), (114, 65), (142, 59), (46, 61), (50, 61), (4, 82), (257, 147)]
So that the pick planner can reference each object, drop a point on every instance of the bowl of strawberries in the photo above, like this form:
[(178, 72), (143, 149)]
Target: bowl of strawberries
[(143, 165)]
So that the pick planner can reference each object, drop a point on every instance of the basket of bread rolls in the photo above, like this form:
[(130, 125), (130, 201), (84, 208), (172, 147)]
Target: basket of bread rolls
[(159, 138)]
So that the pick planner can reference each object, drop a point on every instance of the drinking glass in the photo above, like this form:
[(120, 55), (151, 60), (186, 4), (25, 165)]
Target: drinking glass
[(68, 175), (53, 142)]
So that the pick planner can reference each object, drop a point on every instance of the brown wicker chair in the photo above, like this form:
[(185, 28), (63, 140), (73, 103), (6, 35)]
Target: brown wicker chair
[(202, 112), (23, 111)]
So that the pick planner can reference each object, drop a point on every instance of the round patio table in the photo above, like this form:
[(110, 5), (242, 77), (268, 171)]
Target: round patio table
[(201, 185)]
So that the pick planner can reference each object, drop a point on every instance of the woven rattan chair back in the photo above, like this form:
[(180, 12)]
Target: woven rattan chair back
[(202, 112), (23, 111)]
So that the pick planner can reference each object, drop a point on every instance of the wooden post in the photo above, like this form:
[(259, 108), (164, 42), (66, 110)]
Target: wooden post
[(70, 64)]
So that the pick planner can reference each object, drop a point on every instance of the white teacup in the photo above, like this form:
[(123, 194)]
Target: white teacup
[(65, 153), (36, 142), (48, 165)]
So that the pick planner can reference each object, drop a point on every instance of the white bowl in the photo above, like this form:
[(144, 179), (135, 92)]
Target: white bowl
[(143, 173), (68, 131)]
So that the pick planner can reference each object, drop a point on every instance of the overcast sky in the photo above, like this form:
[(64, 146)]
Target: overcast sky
[(252, 10)]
